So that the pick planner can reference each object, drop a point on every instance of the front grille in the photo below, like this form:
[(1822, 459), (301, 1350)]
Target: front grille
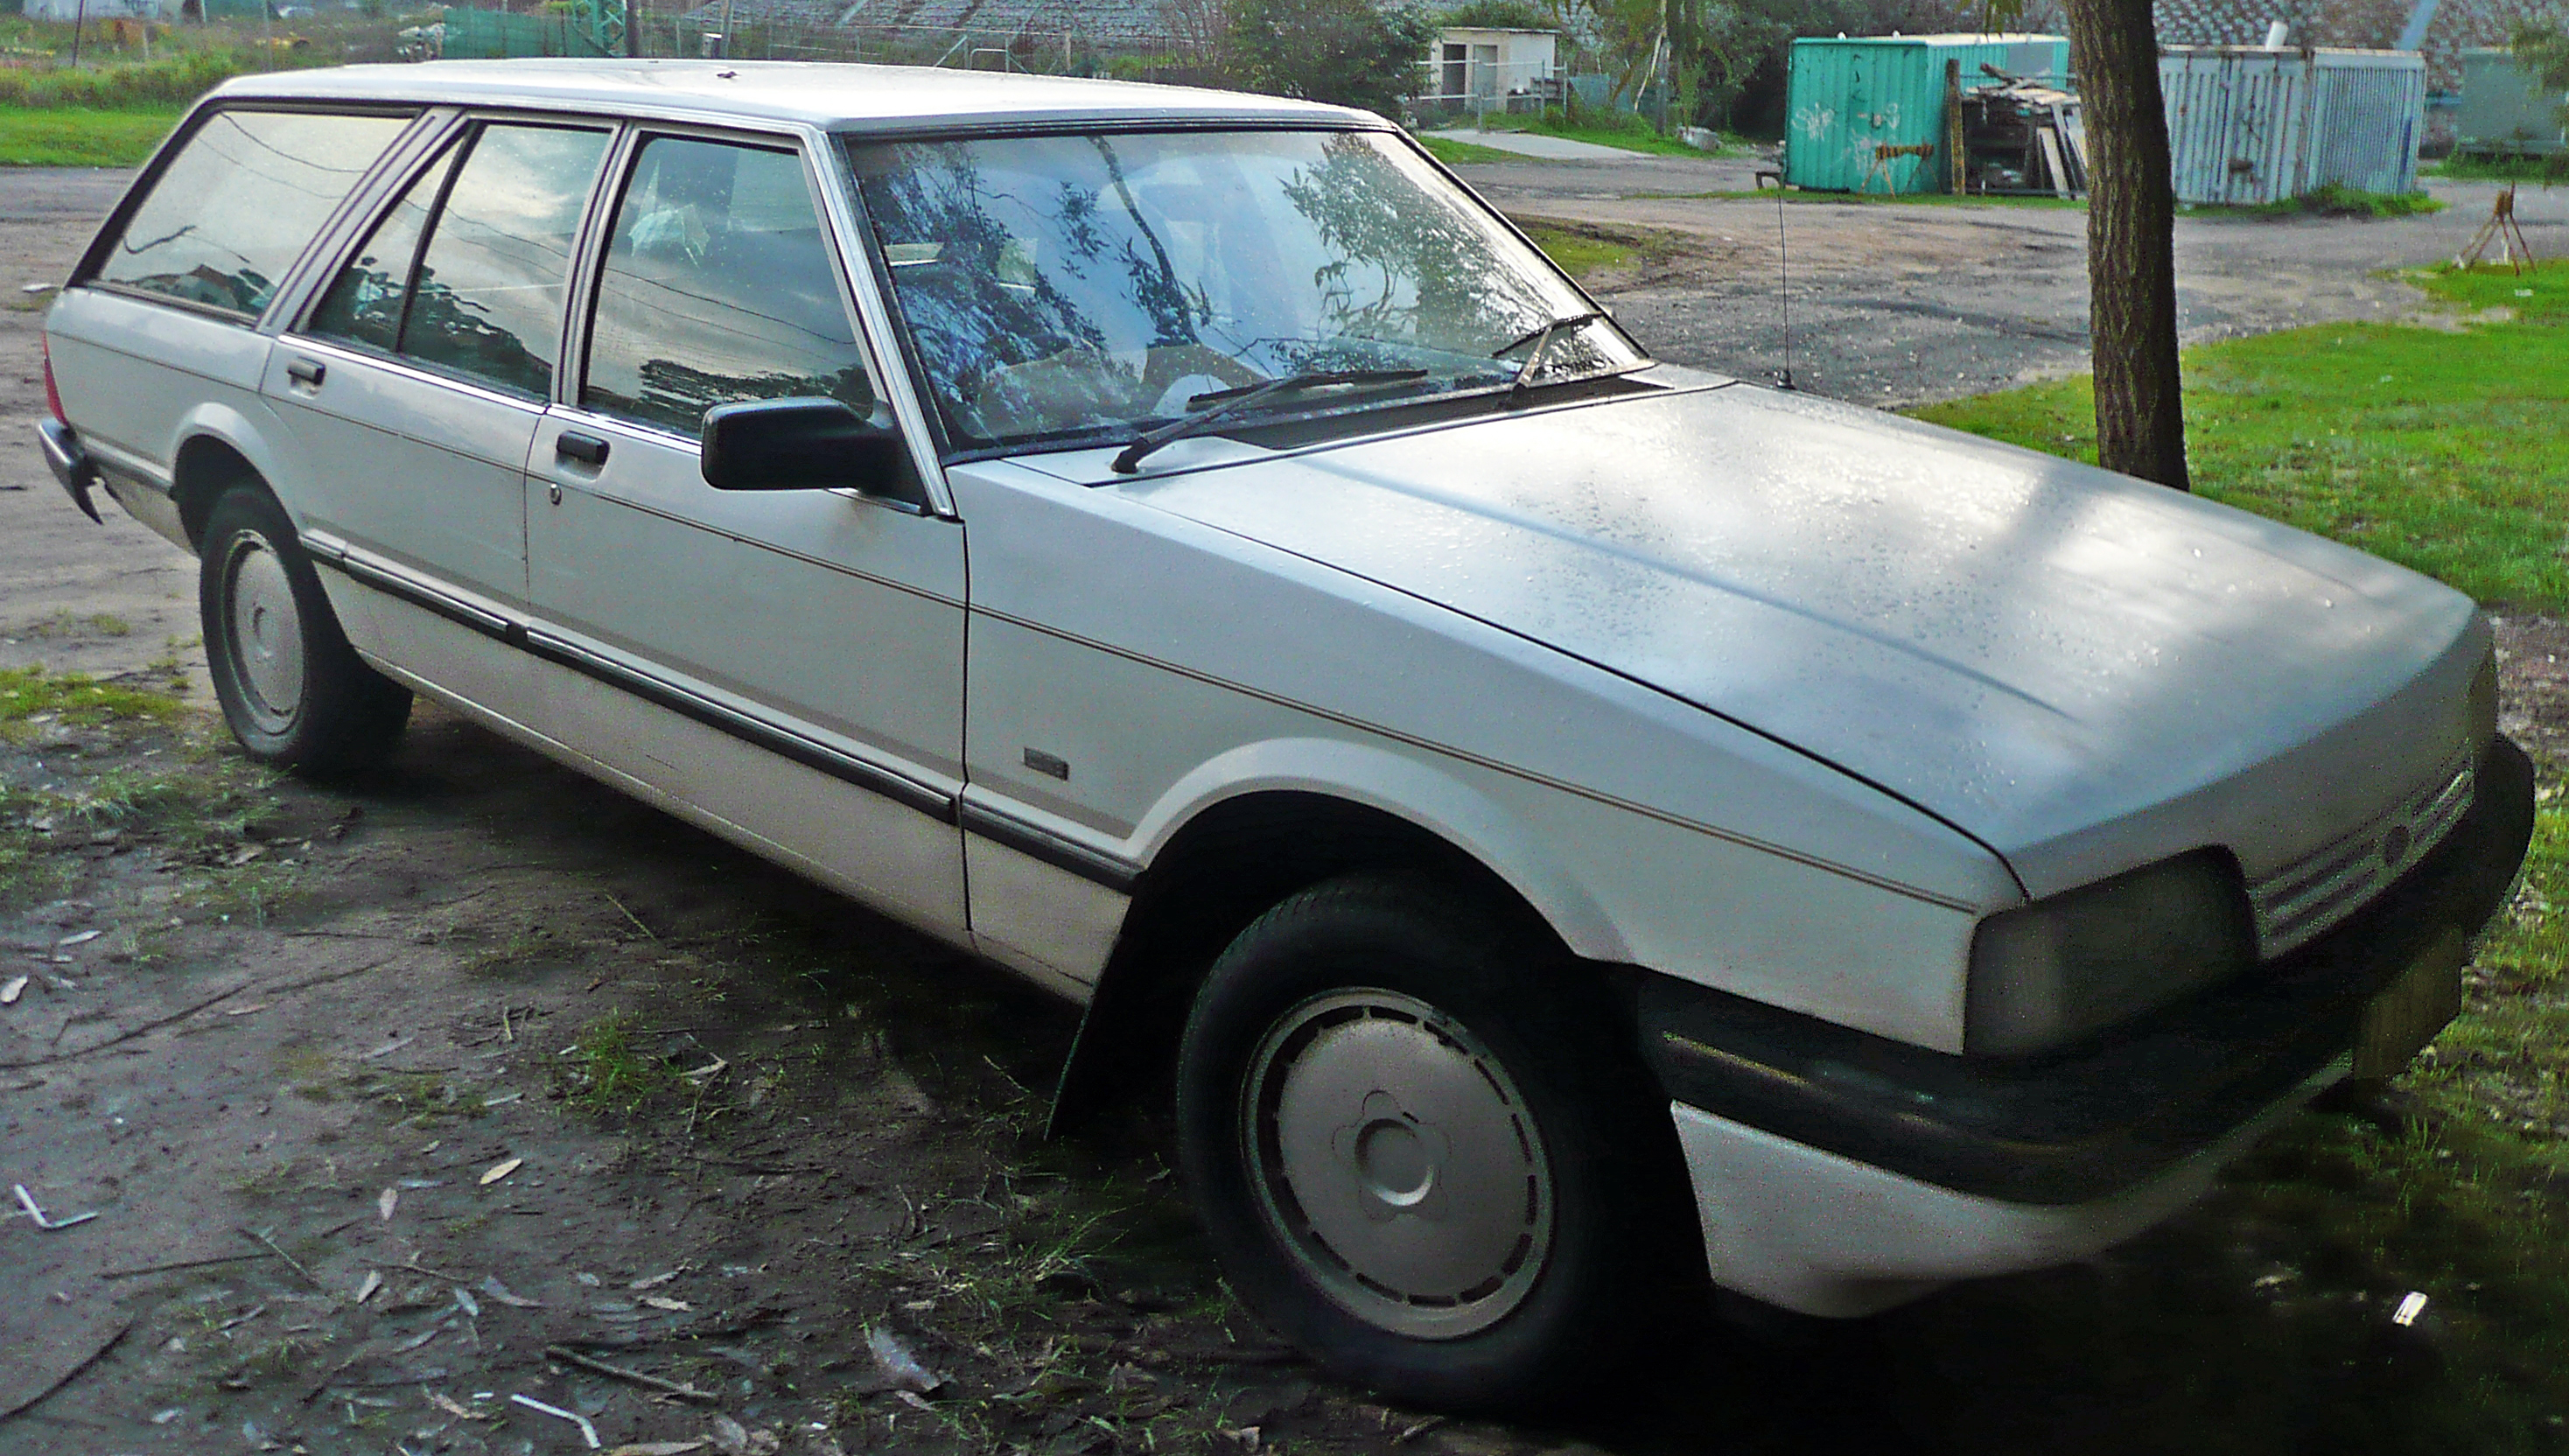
[(2306, 896)]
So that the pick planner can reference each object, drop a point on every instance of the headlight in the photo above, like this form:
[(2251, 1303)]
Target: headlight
[(2046, 976)]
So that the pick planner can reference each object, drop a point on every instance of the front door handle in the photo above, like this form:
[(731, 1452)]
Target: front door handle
[(589, 450), (306, 372)]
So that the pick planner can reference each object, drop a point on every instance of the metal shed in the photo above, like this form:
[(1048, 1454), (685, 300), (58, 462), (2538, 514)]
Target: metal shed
[(2249, 125), (2502, 113), (1867, 113)]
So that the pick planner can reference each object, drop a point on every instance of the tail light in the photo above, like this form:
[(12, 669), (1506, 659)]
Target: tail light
[(52, 396)]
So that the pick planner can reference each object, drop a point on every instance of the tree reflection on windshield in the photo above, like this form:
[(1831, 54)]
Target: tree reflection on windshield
[(1058, 287)]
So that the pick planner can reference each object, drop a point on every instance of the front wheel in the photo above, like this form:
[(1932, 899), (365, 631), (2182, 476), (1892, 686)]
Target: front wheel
[(1425, 1154), (292, 690)]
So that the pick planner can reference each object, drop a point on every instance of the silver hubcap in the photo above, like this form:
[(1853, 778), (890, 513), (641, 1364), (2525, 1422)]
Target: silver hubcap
[(1395, 1156), (266, 638)]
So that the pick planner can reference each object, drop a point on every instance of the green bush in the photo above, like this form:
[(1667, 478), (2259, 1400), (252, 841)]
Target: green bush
[(173, 80)]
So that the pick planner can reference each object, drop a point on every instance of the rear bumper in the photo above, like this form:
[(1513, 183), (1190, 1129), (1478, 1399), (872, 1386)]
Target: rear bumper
[(1839, 1172), (70, 463)]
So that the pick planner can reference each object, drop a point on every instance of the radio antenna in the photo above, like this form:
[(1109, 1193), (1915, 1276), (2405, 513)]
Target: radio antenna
[(1784, 274)]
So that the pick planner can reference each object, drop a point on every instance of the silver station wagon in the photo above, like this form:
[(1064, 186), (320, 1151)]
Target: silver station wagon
[(1575, 831)]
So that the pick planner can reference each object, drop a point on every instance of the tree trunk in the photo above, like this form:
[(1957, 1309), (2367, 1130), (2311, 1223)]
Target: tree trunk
[(2132, 241)]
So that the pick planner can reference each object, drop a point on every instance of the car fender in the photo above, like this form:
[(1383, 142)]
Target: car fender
[(1408, 788)]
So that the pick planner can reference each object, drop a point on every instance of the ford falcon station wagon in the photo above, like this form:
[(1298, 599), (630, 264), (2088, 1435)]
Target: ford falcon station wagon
[(1575, 833)]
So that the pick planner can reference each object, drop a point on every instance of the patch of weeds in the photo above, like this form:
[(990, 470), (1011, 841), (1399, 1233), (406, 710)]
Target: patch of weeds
[(2326, 200), (31, 693), (2515, 168), (608, 1071), (2540, 292), (248, 891), (268, 1182), (525, 947), (418, 1098)]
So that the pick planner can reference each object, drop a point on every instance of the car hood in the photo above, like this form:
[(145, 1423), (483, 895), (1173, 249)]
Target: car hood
[(2081, 671)]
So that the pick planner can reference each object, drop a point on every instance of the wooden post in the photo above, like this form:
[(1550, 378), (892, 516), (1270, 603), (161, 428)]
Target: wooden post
[(1954, 127)]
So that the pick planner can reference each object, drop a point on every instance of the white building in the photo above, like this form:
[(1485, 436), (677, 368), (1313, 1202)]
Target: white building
[(1475, 69)]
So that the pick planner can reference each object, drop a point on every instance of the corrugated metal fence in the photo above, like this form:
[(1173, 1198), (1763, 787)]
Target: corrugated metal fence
[(2252, 125), (1867, 113)]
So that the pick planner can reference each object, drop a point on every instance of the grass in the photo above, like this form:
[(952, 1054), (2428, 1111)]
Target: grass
[(186, 799), (1581, 251), (81, 137), (2328, 200), (2539, 294), (1464, 153), (1627, 134), (609, 1071), (31, 698), (2501, 168), (2434, 448), (1931, 200)]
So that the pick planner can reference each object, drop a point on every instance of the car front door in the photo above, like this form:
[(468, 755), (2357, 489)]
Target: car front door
[(804, 649), (414, 386)]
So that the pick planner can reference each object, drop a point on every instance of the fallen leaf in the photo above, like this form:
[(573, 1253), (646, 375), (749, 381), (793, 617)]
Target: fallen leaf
[(657, 1448), (81, 939), (10, 993), (244, 855), (658, 1278), (367, 1290), (492, 1286), (386, 1202), (899, 1364), (662, 1301), (455, 1407), (246, 1010), (502, 1169)]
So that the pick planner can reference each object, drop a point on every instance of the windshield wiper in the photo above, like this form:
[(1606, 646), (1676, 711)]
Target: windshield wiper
[(1222, 404), (1542, 339)]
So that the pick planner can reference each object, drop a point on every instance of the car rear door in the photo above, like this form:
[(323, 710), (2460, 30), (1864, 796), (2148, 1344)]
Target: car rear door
[(805, 648), (160, 320), (414, 385)]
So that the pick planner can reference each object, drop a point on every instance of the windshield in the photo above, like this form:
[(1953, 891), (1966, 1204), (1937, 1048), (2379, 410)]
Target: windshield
[(1077, 287)]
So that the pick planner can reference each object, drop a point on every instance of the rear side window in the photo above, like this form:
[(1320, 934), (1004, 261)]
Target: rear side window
[(486, 299), (242, 199), (717, 287), (365, 304)]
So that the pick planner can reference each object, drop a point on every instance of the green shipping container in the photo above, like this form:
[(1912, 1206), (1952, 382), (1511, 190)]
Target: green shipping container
[(1867, 113)]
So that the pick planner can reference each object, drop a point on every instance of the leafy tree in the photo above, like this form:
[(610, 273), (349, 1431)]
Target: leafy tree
[(2542, 52), (1502, 15), (1345, 52)]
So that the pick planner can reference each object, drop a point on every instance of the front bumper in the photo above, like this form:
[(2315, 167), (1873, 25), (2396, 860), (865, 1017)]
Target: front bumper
[(70, 463), (1839, 1172)]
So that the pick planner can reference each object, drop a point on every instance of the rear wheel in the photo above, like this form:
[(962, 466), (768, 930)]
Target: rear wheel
[(292, 690), (1425, 1154)]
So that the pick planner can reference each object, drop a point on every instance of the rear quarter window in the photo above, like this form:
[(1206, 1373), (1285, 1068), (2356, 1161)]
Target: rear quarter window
[(229, 213)]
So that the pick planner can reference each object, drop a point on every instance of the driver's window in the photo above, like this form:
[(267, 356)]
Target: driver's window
[(718, 286)]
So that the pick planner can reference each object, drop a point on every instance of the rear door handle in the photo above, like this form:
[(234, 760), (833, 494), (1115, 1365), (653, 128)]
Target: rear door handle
[(306, 372), (589, 450)]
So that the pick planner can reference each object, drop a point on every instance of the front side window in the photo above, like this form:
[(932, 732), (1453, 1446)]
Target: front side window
[(486, 298), (717, 287), (240, 201), (1066, 288)]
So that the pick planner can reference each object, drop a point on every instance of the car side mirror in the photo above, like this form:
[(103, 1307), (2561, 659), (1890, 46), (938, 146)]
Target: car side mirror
[(806, 445)]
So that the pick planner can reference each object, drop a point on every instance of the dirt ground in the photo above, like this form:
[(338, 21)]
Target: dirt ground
[(1894, 304), (400, 1099)]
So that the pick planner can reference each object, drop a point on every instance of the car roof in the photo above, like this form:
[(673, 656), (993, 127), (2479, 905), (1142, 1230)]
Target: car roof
[(824, 94)]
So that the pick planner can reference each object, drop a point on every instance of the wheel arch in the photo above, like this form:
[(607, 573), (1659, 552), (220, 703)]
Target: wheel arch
[(217, 450), (1290, 817)]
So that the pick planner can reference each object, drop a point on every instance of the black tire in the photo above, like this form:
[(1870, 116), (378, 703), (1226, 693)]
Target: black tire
[(294, 691), (1523, 1076)]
